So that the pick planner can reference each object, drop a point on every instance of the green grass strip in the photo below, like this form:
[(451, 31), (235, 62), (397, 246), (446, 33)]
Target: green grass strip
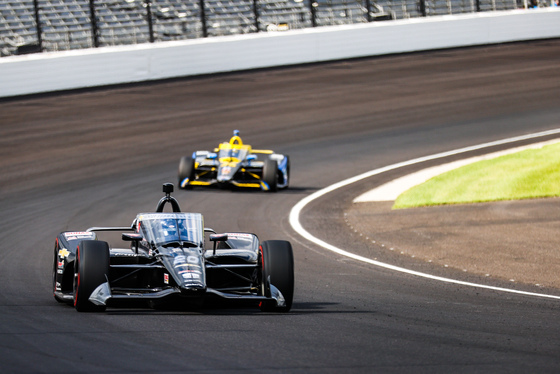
[(533, 173)]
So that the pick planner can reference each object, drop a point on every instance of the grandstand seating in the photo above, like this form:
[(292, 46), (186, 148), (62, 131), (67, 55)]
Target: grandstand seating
[(67, 24)]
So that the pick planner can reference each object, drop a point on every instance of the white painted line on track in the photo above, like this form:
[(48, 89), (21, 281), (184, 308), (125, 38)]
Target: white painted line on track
[(296, 210)]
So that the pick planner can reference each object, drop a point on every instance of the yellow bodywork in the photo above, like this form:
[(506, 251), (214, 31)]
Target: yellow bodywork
[(235, 144)]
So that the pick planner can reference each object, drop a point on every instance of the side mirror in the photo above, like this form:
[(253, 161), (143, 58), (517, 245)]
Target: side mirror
[(251, 157), (132, 237), (217, 238), (212, 156)]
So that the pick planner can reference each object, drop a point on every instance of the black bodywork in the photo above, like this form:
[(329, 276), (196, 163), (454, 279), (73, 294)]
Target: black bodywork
[(171, 258)]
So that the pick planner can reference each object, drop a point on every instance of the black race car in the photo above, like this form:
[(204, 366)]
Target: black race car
[(235, 164), (166, 262)]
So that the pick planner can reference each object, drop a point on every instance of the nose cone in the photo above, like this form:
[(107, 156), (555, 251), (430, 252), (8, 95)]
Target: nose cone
[(188, 270), (192, 277), (193, 289), (225, 173)]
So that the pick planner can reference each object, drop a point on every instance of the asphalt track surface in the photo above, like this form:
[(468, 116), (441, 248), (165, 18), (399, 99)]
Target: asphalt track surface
[(96, 158)]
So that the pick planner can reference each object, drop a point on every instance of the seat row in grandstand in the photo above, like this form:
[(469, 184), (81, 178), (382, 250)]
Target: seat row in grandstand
[(67, 24), (64, 23)]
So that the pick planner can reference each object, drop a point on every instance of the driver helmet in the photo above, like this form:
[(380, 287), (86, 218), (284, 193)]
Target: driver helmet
[(169, 228)]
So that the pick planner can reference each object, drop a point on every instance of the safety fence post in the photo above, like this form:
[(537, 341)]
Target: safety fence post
[(94, 26), (148, 5), (313, 9), (256, 14), (38, 23), (203, 18), (422, 7), (368, 10)]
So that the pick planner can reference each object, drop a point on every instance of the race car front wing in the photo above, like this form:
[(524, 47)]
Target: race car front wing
[(102, 295)]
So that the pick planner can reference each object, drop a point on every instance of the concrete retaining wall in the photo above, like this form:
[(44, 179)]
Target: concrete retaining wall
[(54, 71)]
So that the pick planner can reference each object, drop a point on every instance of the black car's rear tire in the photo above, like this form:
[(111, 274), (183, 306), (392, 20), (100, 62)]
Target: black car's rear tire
[(270, 174), (278, 264), (186, 170), (91, 268)]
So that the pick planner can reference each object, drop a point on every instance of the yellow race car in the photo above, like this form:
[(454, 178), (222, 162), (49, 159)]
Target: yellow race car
[(235, 164)]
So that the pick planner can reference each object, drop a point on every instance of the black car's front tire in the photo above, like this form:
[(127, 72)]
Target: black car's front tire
[(186, 170), (278, 264), (91, 268)]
